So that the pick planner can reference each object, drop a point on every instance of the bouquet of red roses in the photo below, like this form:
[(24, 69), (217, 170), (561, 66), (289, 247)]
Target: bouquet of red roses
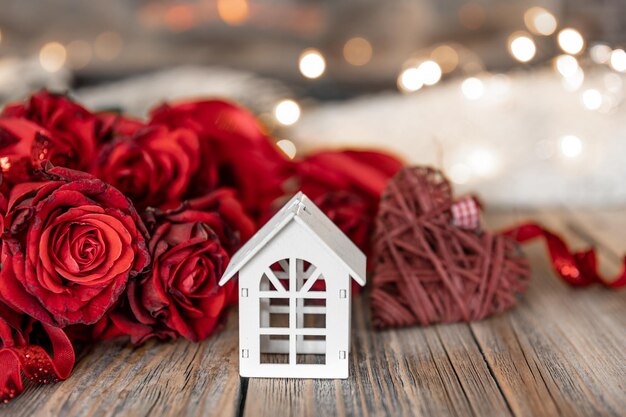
[(115, 227)]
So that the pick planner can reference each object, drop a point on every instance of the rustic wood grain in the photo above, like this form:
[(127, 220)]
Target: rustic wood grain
[(433, 371), (158, 379), (559, 352)]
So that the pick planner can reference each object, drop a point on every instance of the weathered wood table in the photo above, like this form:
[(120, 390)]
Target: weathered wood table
[(561, 351)]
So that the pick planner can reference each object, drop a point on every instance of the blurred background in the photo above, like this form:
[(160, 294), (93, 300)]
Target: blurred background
[(521, 101)]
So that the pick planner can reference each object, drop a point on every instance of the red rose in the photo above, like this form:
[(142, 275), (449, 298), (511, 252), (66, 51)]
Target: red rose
[(223, 213), (154, 167), (181, 292), (70, 245), (60, 131), (347, 185), (248, 159)]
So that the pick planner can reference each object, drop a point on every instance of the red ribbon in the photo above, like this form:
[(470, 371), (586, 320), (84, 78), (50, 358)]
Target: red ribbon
[(35, 363), (576, 268)]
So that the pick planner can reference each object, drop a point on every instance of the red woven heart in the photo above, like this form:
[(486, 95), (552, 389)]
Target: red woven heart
[(428, 270)]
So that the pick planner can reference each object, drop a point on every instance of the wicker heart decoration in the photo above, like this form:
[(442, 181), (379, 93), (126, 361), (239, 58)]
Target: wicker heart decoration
[(427, 269)]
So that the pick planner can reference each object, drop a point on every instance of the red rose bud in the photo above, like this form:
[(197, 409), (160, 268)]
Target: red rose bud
[(221, 211), (181, 292), (70, 246), (154, 167)]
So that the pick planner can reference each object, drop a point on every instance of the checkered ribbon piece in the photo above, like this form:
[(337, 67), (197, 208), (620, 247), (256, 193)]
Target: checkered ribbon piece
[(466, 213)]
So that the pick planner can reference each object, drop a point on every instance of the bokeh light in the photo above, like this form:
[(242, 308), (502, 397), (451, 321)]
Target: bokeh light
[(312, 63), (600, 54), (79, 54), (430, 72), (287, 112), (571, 146), (618, 60), (410, 80), (540, 21), (288, 147), (522, 47), (447, 58), (472, 88), (574, 82), (357, 51), (52, 56), (108, 46), (483, 162), (566, 65), (591, 99), (233, 12), (180, 17), (571, 41)]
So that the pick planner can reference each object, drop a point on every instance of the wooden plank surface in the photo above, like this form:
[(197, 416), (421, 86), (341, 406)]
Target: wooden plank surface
[(561, 351)]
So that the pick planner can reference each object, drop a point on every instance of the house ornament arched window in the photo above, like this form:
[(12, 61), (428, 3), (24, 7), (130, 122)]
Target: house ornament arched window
[(292, 312)]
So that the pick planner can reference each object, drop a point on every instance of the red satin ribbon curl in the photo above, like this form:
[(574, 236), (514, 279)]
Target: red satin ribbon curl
[(576, 268), (35, 363)]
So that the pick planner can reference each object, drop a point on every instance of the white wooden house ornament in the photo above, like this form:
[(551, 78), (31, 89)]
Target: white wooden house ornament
[(294, 295)]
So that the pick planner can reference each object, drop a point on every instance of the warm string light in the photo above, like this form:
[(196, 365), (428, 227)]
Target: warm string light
[(288, 147), (287, 112), (472, 88), (574, 82), (474, 163), (566, 65), (447, 58), (571, 41), (79, 54), (108, 46), (484, 162), (312, 63), (52, 56), (600, 54), (180, 17), (540, 21), (233, 12), (413, 78), (522, 47), (410, 80), (430, 72), (618, 60), (571, 146), (572, 74), (591, 99), (357, 51)]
